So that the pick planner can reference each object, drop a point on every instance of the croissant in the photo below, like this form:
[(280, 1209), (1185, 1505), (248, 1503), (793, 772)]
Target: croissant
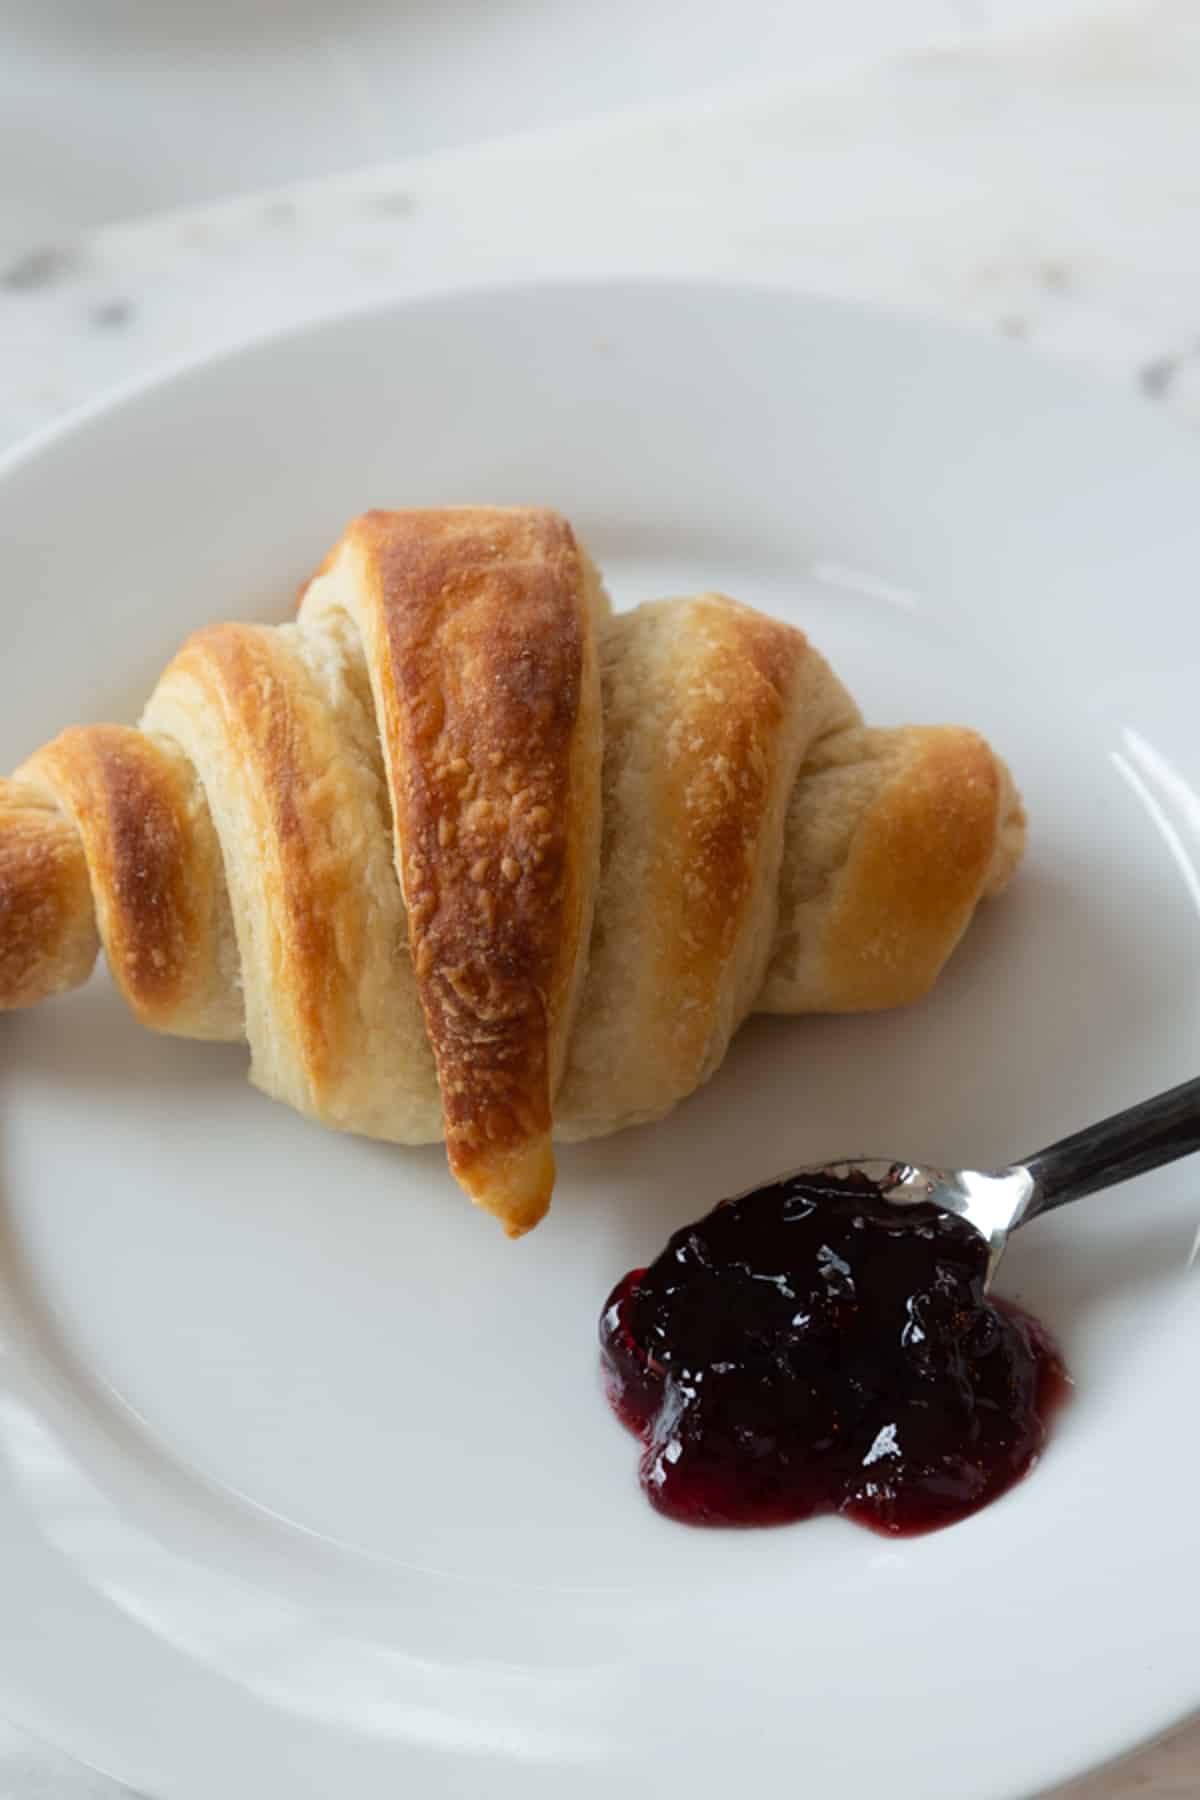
[(461, 854)]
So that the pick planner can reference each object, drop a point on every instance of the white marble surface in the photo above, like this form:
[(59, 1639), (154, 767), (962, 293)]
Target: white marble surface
[(125, 107), (1045, 186)]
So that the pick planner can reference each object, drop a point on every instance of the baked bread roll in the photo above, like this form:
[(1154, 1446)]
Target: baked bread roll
[(461, 855)]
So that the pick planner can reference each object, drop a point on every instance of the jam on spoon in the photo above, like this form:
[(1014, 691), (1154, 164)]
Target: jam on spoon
[(809, 1348), (827, 1344)]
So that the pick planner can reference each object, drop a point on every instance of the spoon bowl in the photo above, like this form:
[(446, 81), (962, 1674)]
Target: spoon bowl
[(993, 1205), (998, 1202)]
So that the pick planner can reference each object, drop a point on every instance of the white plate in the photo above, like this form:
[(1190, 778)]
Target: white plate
[(307, 1486)]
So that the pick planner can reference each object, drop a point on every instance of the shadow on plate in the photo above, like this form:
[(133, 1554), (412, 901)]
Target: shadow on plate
[(89, 1040)]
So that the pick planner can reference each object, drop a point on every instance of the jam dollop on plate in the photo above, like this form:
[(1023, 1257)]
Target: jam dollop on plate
[(809, 1348)]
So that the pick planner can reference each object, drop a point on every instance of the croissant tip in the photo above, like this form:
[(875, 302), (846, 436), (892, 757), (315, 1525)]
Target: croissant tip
[(514, 1185)]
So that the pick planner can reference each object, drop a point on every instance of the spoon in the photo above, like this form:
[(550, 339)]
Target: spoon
[(997, 1203)]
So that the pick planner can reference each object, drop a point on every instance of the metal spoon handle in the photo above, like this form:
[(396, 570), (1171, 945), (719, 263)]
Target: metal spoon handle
[(1131, 1142)]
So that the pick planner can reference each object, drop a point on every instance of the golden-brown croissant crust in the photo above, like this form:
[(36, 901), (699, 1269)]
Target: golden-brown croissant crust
[(460, 854)]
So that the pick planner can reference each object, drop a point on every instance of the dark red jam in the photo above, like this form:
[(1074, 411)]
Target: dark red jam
[(810, 1348)]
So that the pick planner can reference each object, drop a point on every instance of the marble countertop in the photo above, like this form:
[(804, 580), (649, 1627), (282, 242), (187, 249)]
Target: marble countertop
[(123, 109), (1044, 186)]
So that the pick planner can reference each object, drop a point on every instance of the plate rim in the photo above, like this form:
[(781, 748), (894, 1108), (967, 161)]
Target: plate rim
[(180, 366)]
